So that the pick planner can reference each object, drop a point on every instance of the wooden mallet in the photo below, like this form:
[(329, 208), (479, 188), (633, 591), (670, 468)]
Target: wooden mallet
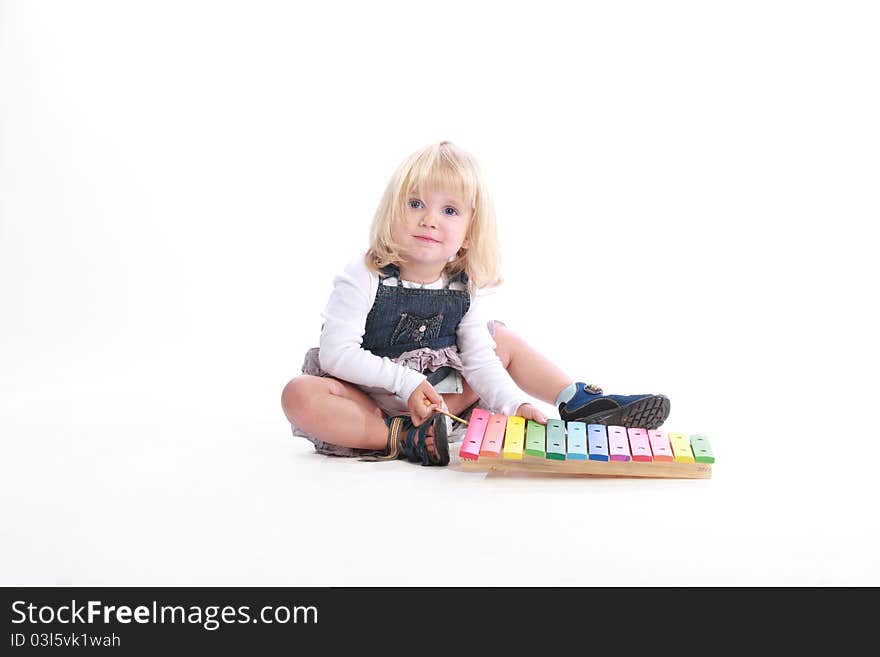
[(440, 410)]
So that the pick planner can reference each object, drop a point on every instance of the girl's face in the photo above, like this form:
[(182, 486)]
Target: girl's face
[(434, 227)]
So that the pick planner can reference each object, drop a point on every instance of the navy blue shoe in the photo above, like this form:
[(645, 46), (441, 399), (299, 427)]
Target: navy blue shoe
[(590, 406)]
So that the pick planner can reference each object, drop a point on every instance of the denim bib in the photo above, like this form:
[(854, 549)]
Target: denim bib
[(404, 319)]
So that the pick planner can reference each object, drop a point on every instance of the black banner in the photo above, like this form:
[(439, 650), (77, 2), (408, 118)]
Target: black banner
[(133, 621)]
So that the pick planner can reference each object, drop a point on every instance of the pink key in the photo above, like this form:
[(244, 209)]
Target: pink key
[(638, 445), (660, 445), (493, 439), (618, 443), (473, 439)]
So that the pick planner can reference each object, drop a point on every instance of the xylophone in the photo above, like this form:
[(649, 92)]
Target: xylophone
[(514, 444)]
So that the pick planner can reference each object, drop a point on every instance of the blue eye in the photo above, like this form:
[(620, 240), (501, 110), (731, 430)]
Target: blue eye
[(454, 211), (415, 203)]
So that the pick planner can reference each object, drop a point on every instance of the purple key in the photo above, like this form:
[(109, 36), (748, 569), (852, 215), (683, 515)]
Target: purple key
[(618, 443)]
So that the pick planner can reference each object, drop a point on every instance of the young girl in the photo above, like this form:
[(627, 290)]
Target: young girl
[(404, 336)]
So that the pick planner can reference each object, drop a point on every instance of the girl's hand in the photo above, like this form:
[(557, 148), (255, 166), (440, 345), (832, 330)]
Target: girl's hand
[(422, 403), (529, 412)]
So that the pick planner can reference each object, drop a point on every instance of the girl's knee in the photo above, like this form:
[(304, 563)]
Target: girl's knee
[(296, 395)]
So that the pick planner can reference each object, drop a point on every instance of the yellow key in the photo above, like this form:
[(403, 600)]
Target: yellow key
[(514, 438), (681, 447)]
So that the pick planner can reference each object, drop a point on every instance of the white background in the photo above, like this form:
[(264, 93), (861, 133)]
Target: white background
[(687, 195)]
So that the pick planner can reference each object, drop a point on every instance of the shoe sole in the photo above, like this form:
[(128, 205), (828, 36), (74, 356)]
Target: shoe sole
[(648, 413), (441, 440)]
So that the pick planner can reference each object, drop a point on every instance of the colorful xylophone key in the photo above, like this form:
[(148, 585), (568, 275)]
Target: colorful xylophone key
[(473, 439), (577, 440), (598, 442), (536, 439), (499, 442), (618, 443), (640, 448), (514, 437), (493, 439), (660, 445), (556, 440)]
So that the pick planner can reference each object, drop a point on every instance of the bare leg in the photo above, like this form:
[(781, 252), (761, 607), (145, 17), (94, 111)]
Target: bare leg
[(337, 413), (530, 370)]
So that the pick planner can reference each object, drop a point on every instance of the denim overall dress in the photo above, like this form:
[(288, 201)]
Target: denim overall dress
[(405, 319), (415, 327)]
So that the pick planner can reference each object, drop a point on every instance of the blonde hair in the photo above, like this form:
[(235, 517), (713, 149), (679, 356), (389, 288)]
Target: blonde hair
[(441, 165)]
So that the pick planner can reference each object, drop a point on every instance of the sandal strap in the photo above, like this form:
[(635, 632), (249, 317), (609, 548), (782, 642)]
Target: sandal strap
[(393, 446), (417, 450), (412, 445), (395, 426)]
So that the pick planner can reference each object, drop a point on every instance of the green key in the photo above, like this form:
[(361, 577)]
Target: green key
[(702, 449), (534, 439), (556, 440)]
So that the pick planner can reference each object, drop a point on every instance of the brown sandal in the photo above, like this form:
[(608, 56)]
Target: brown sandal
[(407, 441)]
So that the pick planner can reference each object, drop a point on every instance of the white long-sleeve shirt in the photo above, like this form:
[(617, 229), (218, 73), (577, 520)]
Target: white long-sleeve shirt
[(341, 354)]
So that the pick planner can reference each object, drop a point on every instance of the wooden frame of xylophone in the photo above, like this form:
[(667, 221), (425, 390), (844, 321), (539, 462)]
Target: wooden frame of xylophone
[(495, 442)]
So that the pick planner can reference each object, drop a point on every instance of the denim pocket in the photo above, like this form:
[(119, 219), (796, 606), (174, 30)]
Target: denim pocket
[(412, 328)]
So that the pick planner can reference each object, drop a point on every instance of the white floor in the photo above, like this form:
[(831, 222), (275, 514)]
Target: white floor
[(108, 483)]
